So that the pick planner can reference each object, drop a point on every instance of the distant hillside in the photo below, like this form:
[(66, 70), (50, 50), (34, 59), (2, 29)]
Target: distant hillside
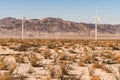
[(11, 28), (54, 25)]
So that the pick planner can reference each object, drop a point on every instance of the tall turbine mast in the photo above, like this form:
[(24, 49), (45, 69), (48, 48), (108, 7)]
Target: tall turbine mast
[(96, 23), (23, 20), (45, 33), (37, 32)]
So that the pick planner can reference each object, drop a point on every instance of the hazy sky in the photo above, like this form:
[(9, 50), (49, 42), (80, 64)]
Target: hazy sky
[(72, 10)]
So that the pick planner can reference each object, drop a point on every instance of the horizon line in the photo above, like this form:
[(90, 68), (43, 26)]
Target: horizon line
[(61, 19)]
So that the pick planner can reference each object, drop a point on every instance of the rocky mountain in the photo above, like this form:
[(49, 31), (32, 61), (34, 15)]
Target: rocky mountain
[(54, 25)]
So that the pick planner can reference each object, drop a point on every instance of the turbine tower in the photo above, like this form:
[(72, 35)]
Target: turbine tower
[(97, 19), (23, 20), (37, 32)]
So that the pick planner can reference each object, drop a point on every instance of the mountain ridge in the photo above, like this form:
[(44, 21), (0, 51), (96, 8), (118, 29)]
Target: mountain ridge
[(52, 25)]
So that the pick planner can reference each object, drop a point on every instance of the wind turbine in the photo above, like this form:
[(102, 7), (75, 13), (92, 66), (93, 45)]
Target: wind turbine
[(37, 32), (23, 20), (57, 36), (97, 19), (46, 35)]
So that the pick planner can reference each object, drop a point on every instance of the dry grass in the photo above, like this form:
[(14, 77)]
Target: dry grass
[(91, 71), (81, 62), (5, 76), (55, 71), (65, 66), (35, 60), (12, 67), (31, 70), (47, 54), (98, 65), (3, 64), (107, 69), (62, 54), (95, 77), (20, 58)]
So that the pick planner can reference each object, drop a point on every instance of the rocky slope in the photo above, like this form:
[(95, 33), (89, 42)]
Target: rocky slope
[(54, 25)]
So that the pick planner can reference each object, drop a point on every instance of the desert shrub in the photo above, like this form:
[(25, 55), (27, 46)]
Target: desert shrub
[(20, 58), (37, 50), (47, 54), (3, 64), (70, 57), (4, 44), (72, 51), (51, 46), (116, 47), (89, 59), (107, 69), (98, 65), (59, 71), (5, 76), (55, 71), (12, 67), (119, 69), (46, 77), (35, 60), (116, 58), (18, 77), (81, 62), (21, 47), (31, 70), (95, 77), (65, 66), (117, 77), (62, 56), (91, 71)]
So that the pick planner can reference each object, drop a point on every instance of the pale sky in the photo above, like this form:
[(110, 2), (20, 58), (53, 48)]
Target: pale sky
[(72, 10)]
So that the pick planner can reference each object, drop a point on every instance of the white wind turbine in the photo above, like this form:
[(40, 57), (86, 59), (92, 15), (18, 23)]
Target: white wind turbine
[(37, 32), (46, 34), (57, 34), (97, 19), (23, 20)]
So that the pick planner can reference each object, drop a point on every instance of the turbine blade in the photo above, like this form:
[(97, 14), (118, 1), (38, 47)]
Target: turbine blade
[(98, 19)]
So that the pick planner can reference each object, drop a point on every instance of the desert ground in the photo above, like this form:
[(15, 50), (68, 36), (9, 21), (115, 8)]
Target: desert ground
[(65, 59)]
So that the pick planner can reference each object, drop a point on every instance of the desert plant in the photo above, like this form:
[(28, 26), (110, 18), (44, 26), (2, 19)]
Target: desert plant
[(107, 69), (12, 67), (119, 69), (51, 46), (5, 76), (95, 77), (91, 71), (20, 58), (89, 59), (117, 77), (47, 54), (52, 71), (46, 77), (65, 66), (3, 64), (98, 65), (55, 57), (35, 60), (18, 77), (31, 70), (81, 62)]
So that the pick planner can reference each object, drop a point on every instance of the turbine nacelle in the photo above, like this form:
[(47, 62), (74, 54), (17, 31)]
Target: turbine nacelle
[(97, 19), (23, 18)]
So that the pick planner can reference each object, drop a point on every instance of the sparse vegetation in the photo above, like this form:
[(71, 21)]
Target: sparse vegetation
[(59, 59)]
